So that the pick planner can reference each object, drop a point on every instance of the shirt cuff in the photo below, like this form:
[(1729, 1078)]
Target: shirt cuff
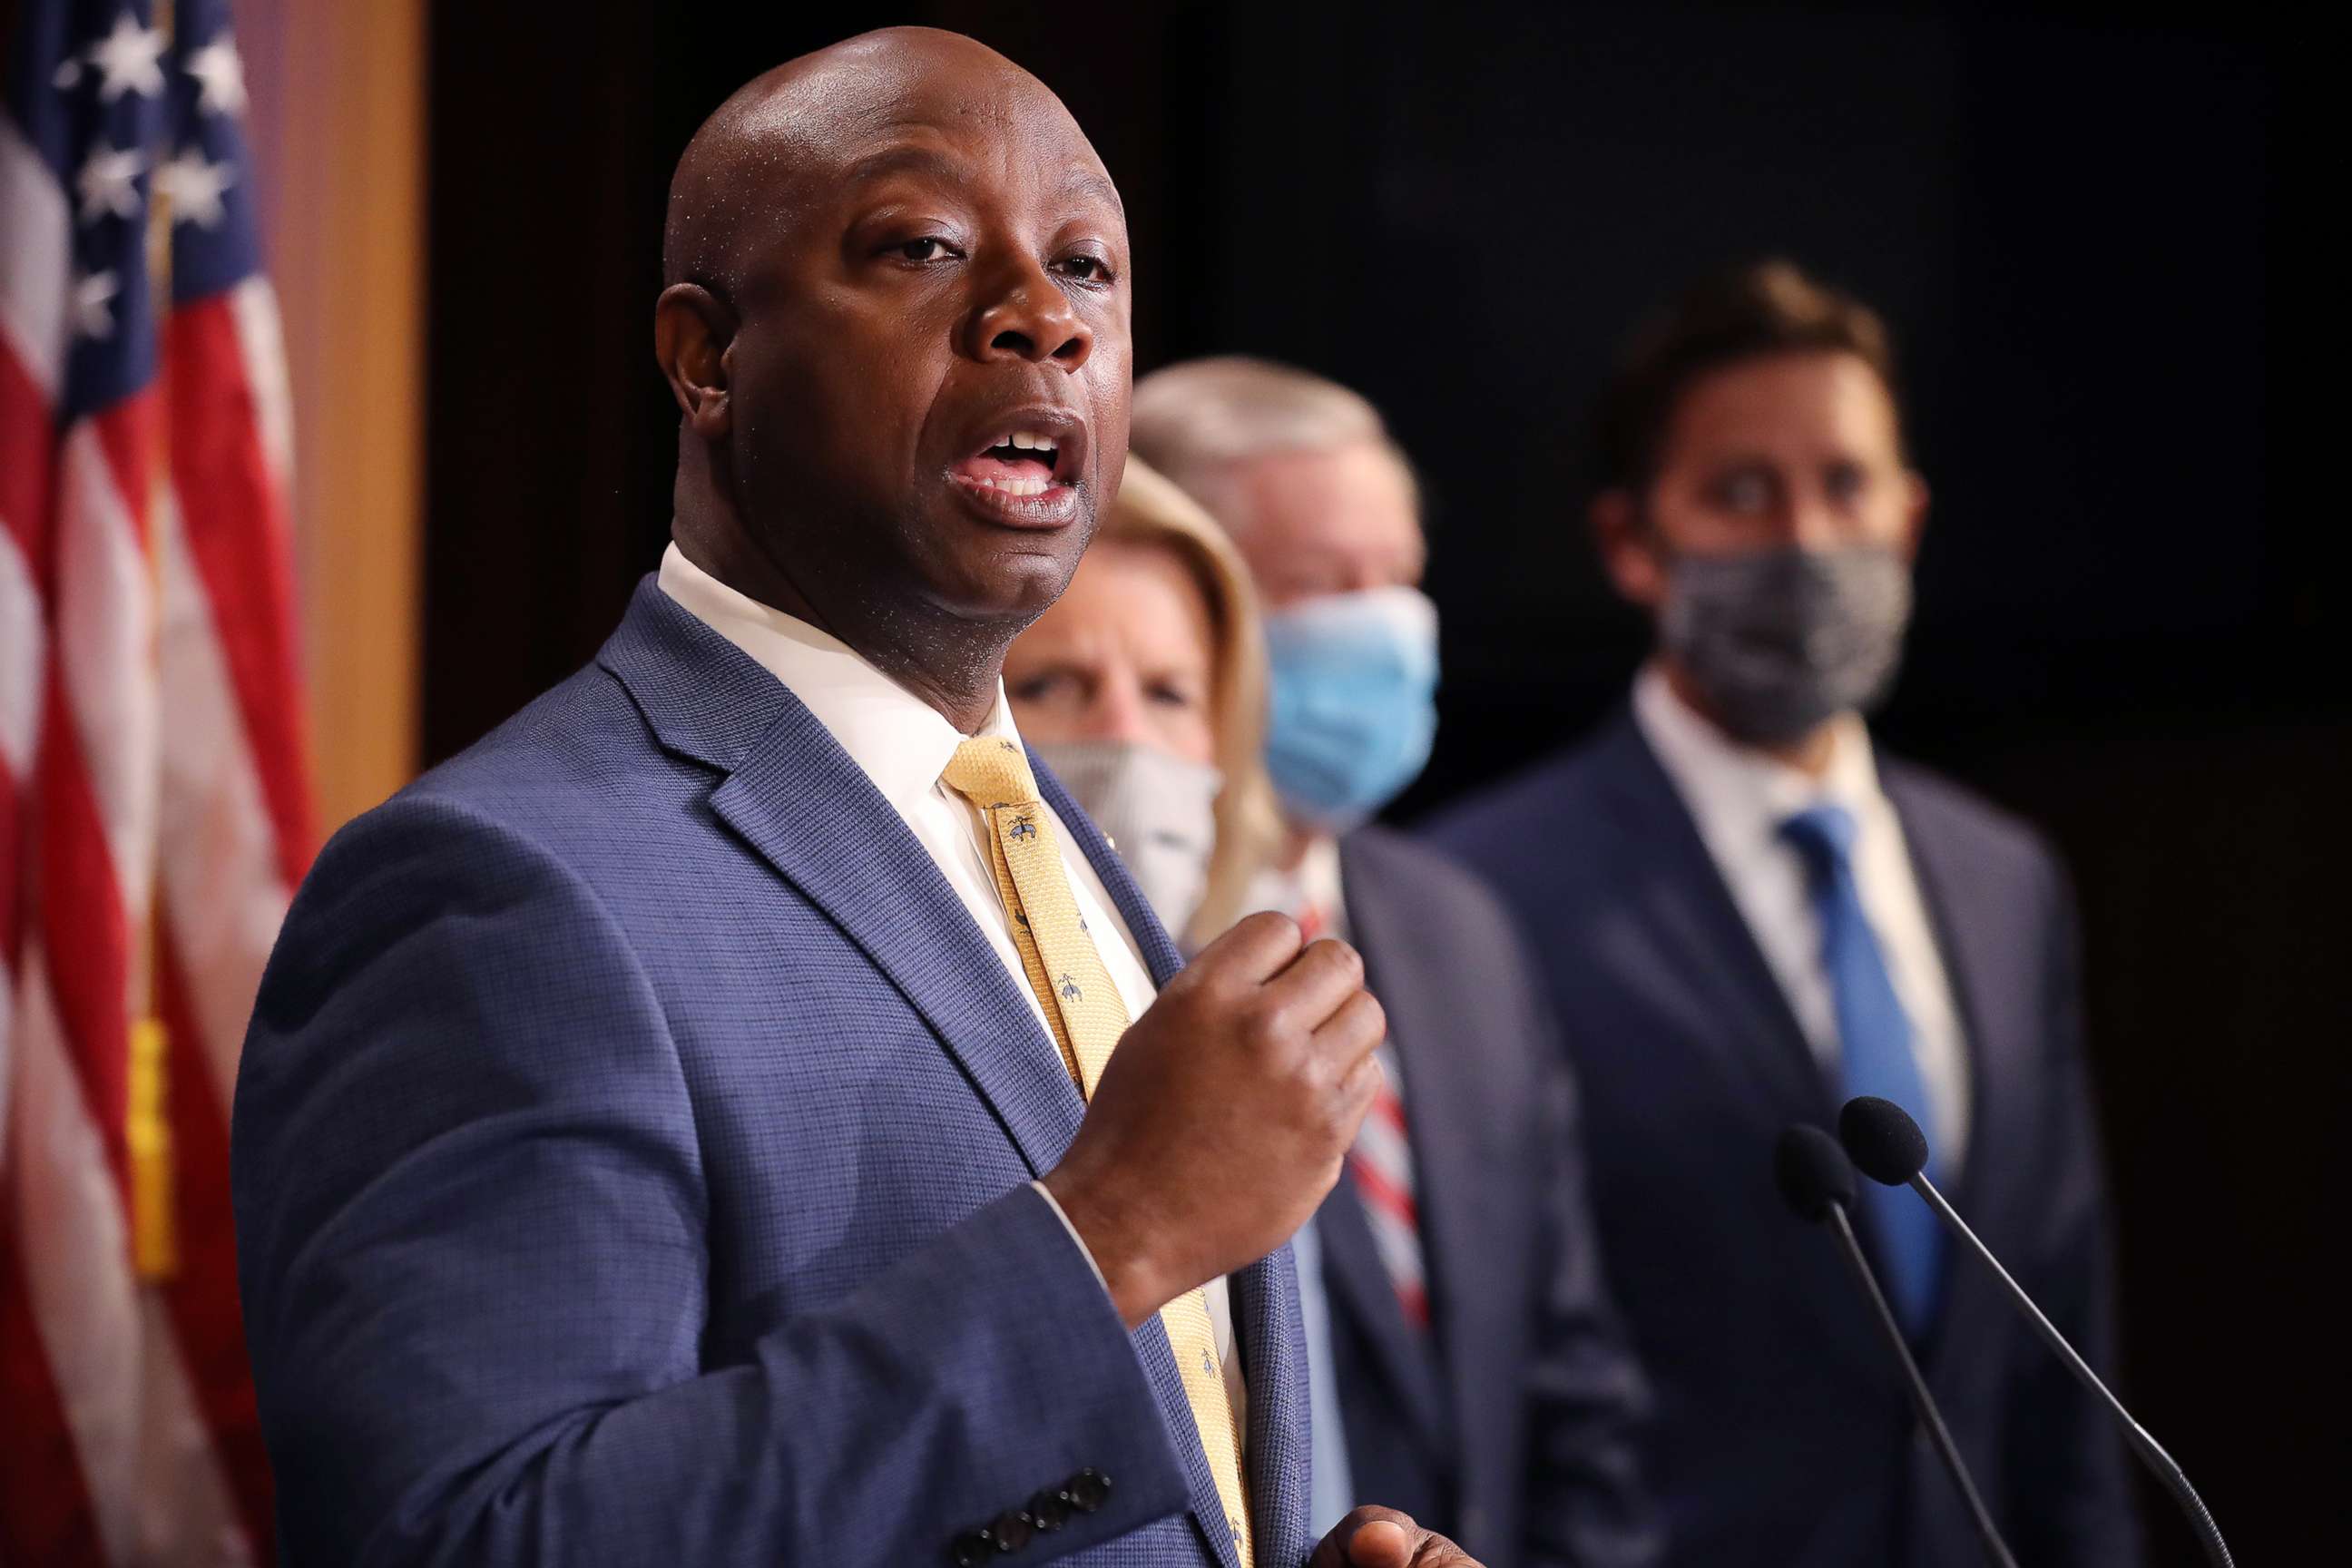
[(1055, 1204)]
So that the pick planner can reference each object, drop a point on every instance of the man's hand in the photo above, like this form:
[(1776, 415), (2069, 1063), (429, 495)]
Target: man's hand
[(1222, 1120), (1383, 1538)]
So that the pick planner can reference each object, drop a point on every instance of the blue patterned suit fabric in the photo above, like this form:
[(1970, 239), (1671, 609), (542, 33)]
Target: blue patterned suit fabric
[(632, 1160), (1875, 1055)]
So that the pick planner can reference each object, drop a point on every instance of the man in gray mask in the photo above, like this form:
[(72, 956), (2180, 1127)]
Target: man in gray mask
[(1747, 915)]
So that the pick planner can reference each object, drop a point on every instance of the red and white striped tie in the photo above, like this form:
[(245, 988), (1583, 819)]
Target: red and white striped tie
[(1381, 1162)]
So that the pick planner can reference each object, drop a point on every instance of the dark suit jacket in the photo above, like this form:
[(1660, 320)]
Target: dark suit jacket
[(1510, 1423), (632, 1161), (1783, 1437)]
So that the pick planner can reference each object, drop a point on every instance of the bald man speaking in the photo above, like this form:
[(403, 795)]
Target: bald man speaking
[(740, 1110)]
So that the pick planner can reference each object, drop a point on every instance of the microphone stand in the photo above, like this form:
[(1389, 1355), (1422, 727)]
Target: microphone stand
[(2151, 1452), (1922, 1402)]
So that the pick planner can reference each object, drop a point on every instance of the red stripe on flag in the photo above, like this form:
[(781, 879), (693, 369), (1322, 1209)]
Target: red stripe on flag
[(28, 465), (202, 1297), (79, 903), (234, 520), (12, 898), (1389, 1108), (45, 1509)]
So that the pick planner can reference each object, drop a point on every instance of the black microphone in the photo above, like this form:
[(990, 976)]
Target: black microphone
[(1818, 1183), (1889, 1147)]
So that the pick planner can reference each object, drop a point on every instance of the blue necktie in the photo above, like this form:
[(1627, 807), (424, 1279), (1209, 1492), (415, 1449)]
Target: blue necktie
[(1875, 1035)]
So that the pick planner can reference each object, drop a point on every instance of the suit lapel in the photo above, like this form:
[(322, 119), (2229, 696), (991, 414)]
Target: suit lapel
[(1359, 1281), (1971, 939), (1264, 1296), (798, 801), (1703, 939), (1264, 1299), (1396, 960), (1267, 1322)]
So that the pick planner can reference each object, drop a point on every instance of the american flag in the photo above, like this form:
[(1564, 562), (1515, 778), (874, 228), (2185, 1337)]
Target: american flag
[(152, 814)]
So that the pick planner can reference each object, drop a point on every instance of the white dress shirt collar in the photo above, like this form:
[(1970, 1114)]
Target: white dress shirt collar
[(1738, 793), (899, 740)]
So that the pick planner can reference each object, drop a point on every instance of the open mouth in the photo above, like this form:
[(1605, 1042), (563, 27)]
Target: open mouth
[(1017, 463), (1026, 471)]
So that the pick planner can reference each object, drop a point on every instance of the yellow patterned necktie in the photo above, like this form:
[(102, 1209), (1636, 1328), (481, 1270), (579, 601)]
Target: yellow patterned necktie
[(1083, 1008)]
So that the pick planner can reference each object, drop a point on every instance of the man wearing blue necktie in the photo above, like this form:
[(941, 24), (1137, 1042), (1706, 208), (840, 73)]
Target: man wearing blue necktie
[(1748, 916)]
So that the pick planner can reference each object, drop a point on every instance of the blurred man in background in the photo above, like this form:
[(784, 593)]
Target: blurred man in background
[(1746, 916), (1465, 1359)]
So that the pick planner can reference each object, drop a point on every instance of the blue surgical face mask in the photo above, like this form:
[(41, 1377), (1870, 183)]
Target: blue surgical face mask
[(1353, 709)]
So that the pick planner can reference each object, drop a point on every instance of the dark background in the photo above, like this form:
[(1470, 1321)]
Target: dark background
[(2070, 218)]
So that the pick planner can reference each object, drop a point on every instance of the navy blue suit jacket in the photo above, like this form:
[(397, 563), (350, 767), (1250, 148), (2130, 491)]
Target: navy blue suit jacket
[(1783, 1434), (1511, 1424), (632, 1160)]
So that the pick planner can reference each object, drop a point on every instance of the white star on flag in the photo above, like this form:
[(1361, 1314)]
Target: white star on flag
[(220, 74), (128, 59), (93, 304), (109, 183), (193, 187)]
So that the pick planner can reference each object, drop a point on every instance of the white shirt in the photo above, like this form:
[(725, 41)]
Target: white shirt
[(1739, 798), (903, 744), (1311, 887)]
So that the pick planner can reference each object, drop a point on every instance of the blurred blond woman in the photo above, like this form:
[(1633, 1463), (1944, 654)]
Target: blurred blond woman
[(1144, 688)]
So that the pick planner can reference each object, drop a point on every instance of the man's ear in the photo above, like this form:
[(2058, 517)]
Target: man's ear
[(1629, 553), (692, 333), (1914, 520)]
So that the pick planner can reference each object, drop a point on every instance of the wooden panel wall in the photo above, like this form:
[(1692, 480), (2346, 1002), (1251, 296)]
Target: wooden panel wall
[(338, 126)]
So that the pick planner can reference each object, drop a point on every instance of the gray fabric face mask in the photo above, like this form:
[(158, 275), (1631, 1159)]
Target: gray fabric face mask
[(1779, 640), (1159, 810)]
